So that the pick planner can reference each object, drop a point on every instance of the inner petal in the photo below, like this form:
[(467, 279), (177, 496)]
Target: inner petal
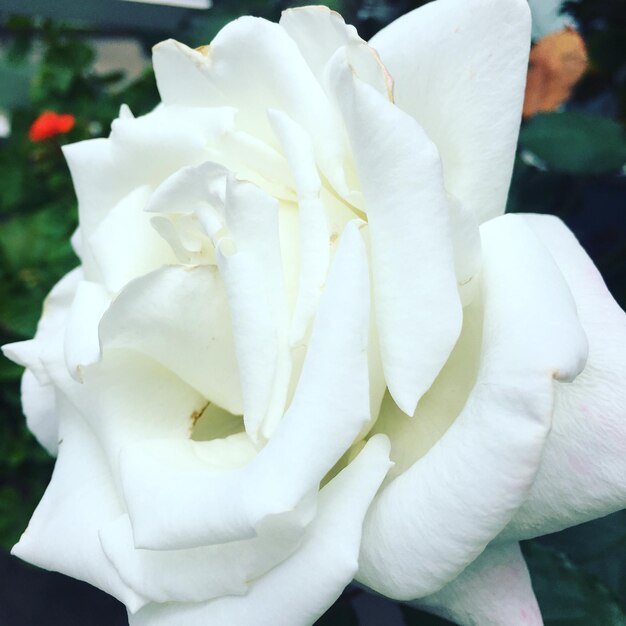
[(214, 422), (413, 436)]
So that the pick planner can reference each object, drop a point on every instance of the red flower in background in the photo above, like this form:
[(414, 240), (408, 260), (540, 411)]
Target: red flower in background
[(49, 124)]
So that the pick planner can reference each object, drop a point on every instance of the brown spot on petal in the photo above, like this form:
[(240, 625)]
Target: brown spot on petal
[(196, 415), (557, 63)]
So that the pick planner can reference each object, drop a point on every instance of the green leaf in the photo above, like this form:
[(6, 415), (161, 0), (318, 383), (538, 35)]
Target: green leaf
[(567, 595), (576, 143), (598, 547)]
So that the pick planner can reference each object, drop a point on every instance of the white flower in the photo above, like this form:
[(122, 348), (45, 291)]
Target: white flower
[(291, 270)]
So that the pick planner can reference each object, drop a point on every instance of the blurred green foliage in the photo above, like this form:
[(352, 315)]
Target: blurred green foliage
[(575, 142), (568, 594), (37, 218), (570, 163)]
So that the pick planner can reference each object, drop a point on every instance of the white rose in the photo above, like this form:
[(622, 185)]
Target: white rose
[(280, 241)]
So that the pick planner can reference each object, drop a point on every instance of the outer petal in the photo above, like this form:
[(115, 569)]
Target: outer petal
[(438, 516), (38, 401), (298, 591), (459, 67), (81, 344), (495, 590), (196, 574), (583, 471), (417, 304), (63, 533), (52, 324), (40, 411)]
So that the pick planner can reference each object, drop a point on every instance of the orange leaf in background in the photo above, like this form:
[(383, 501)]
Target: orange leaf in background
[(50, 124), (557, 63)]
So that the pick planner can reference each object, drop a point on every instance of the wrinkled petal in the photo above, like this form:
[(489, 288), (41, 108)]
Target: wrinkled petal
[(583, 469), (174, 506), (481, 470), (459, 68), (62, 535), (417, 304), (494, 590), (299, 590), (179, 317)]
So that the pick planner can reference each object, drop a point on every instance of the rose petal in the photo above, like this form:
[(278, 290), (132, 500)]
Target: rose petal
[(254, 281), (413, 436), (254, 65), (439, 515), (251, 65), (41, 416), (583, 470), (467, 249), (63, 533), (459, 68), (180, 318), (138, 247), (196, 190), (299, 590), (81, 343), (319, 32), (417, 305), (37, 390), (51, 325), (175, 502), (494, 590), (313, 228), (127, 160), (201, 573), (128, 397)]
